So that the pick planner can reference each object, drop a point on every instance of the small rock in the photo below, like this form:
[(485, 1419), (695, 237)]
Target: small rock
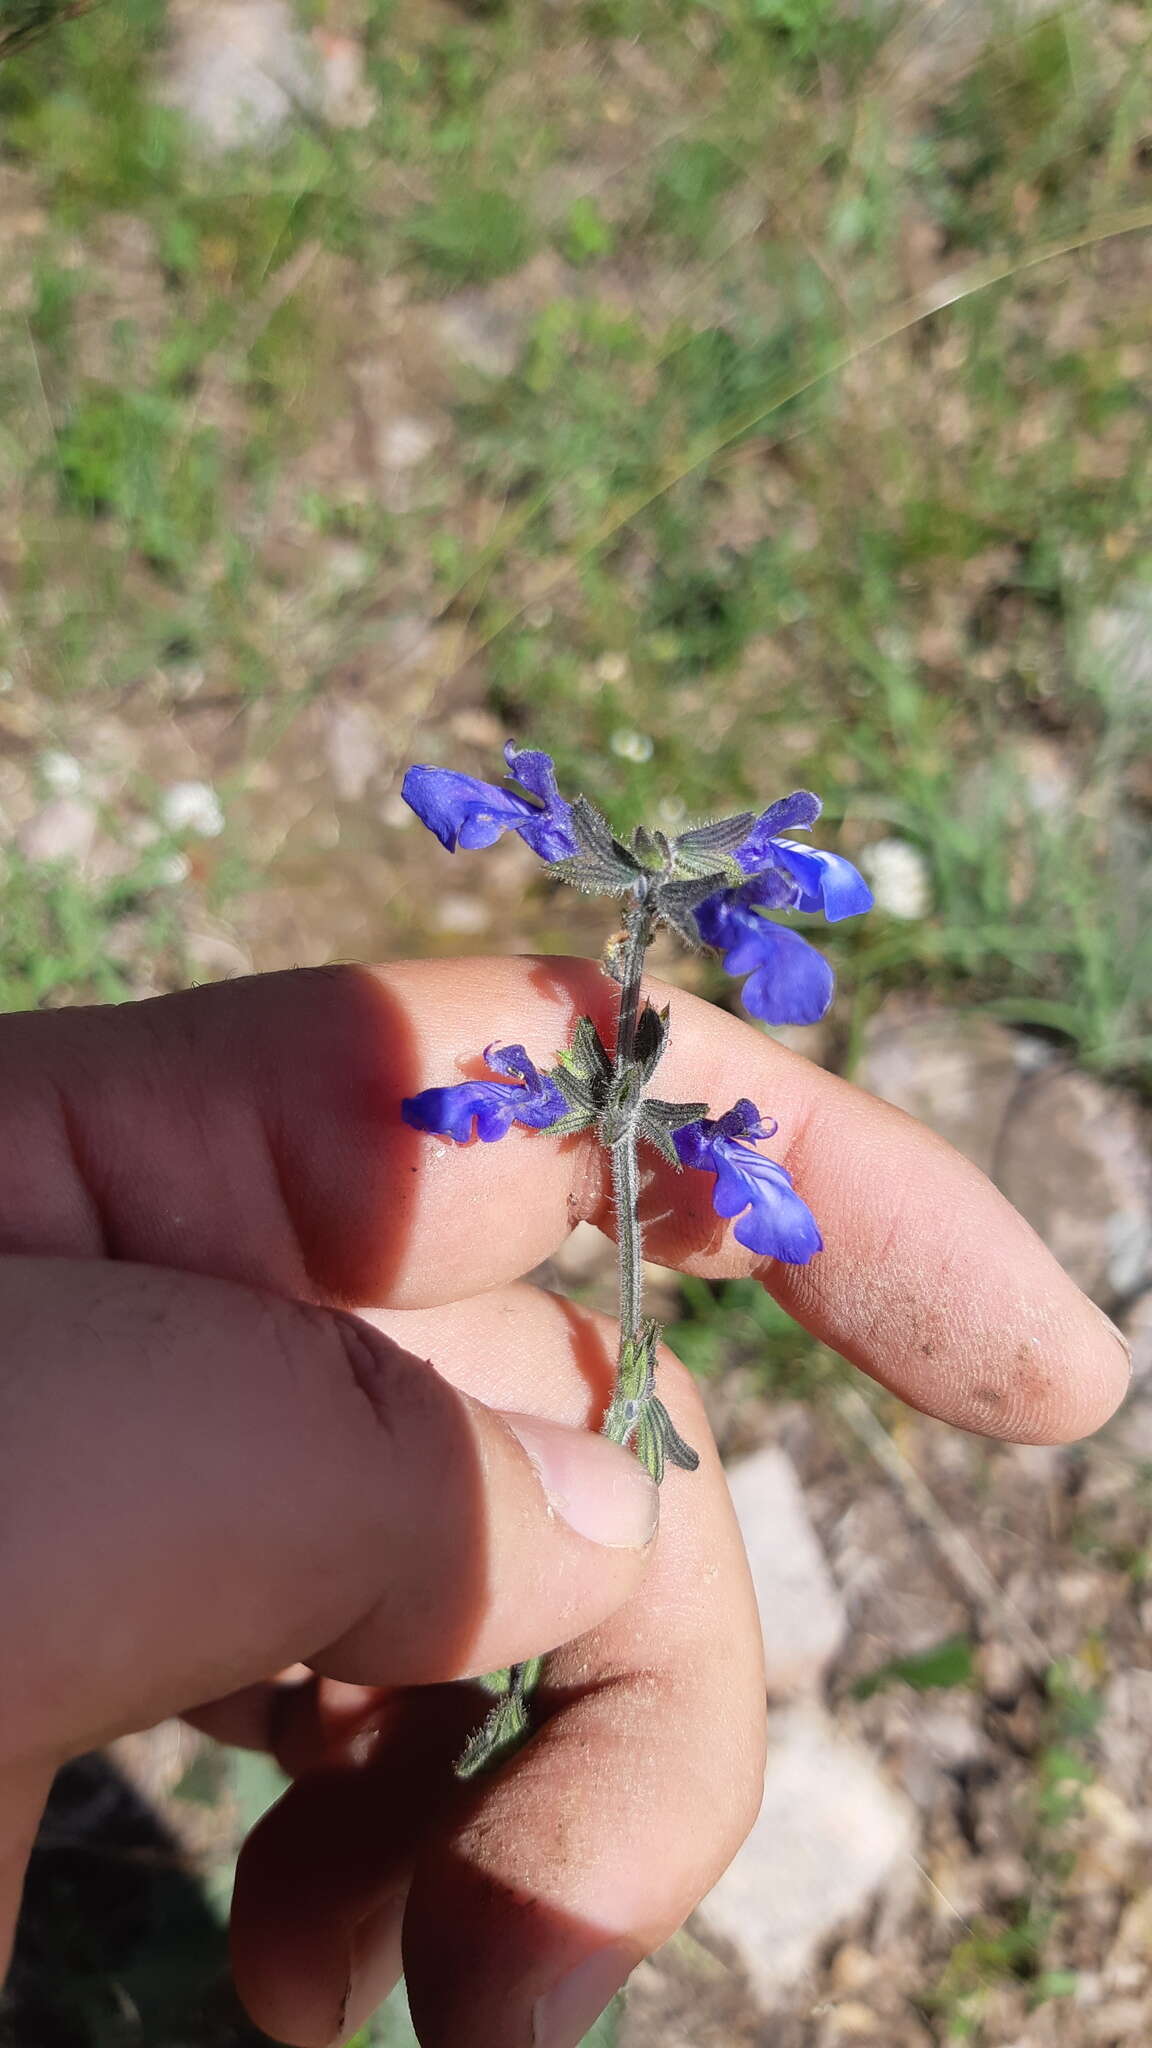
[(957, 1074), (1115, 648), (215, 952), (1124, 1732), (406, 441), (478, 334), (62, 772), (465, 915), (898, 873), (1120, 2020), (192, 807), (801, 1613), (586, 1254), (347, 99), (353, 741), (63, 830), (238, 70), (830, 1832), (934, 1743), (632, 746), (1074, 1159)]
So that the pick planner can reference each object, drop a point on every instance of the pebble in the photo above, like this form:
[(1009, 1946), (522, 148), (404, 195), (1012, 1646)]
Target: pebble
[(62, 831), (830, 1834), (801, 1613), (238, 70), (192, 807)]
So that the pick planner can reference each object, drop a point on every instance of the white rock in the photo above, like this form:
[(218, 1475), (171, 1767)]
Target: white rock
[(192, 807), (481, 335), (1115, 648), (1074, 1158), (62, 830), (464, 915), (239, 70), (801, 1613), (354, 748), (898, 873), (61, 772), (585, 1254), (632, 746), (830, 1832), (956, 1074), (406, 441), (347, 98)]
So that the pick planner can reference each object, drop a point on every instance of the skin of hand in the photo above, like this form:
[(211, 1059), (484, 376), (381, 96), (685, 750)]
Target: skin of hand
[(263, 1343)]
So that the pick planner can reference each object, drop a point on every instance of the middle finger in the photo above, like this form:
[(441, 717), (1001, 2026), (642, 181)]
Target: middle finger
[(603, 1834)]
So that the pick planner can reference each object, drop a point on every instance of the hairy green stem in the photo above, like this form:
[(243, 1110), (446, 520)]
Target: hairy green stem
[(625, 1164)]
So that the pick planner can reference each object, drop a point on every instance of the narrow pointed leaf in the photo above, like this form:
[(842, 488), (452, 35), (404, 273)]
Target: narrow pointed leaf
[(721, 835), (674, 1447)]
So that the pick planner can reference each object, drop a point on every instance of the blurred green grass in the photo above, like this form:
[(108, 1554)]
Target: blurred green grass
[(769, 546)]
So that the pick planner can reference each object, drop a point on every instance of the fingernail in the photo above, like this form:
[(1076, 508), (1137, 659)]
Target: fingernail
[(1121, 1339), (375, 1967), (599, 1489), (566, 2013)]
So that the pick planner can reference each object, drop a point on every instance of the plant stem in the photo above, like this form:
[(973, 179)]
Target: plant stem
[(625, 1165)]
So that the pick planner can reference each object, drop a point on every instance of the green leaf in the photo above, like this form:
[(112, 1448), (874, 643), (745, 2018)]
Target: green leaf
[(946, 1663)]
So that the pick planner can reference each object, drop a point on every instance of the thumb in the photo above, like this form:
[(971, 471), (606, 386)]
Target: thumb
[(202, 1484)]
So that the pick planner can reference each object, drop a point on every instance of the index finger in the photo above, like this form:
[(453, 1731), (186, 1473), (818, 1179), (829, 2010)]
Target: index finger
[(253, 1131)]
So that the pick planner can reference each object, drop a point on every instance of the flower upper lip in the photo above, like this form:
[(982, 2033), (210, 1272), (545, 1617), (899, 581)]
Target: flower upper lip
[(463, 811)]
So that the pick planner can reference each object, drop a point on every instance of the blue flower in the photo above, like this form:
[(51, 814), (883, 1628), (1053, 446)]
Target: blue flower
[(792, 877), (773, 1221), (789, 982), (530, 1098), (462, 811)]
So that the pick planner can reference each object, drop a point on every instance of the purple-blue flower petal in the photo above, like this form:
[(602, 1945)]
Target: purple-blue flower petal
[(463, 811), (792, 984), (772, 1219), (789, 982), (826, 881), (459, 809), (790, 814), (532, 1099)]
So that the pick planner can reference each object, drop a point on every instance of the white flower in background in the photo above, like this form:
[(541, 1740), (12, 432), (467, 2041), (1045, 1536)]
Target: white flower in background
[(192, 807), (611, 668), (62, 772), (898, 873), (632, 746)]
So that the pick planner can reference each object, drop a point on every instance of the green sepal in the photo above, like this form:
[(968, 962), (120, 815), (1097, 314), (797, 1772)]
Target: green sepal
[(587, 1056), (675, 901), (604, 866), (577, 1092), (621, 1103), (659, 1443), (568, 1126), (657, 1121), (635, 1380), (651, 848), (506, 1728), (719, 838)]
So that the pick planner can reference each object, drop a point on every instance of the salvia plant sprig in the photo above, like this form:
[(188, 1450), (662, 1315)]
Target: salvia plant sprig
[(716, 886)]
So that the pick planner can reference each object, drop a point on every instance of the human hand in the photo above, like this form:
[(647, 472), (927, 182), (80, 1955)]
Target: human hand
[(210, 1470)]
